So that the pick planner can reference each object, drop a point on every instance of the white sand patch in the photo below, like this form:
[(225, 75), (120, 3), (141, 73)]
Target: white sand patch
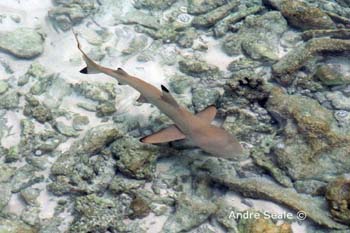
[(15, 205), (215, 55), (154, 224), (13, 122), (47, 204)]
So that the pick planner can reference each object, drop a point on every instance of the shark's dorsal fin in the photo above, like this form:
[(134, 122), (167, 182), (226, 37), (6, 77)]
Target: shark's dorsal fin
[(167, 97), (208, 113), (169, 134)]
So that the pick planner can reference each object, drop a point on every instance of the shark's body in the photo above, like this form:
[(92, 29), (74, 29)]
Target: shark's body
[(197, 128)]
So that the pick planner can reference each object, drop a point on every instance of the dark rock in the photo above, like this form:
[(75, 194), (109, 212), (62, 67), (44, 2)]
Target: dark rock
[(134, 159), (302, 54), (211, 18), (338, 196)]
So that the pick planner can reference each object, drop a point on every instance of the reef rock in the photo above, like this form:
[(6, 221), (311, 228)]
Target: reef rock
[(257, 37), (196, 67), (312, 145), (299, 14), (298, 57), (5, 189), (338, 100), (338, 196), (82, 169), (22, 42), (97, 214), (15, 226), (261, 224), (191, 211), (330, 76), (211, 18), (202, 98), (203, 6), (9, 100), (3, 87), (37, 110), (68, 13), (135, 159), (153, 4), (263, 189)]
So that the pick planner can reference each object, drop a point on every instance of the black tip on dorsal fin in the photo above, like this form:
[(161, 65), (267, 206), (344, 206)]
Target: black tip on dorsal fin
[(164, 88), (84, 70)]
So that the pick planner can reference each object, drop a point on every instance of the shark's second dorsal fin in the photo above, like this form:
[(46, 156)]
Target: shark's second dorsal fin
[(167, 97), (123, 73)]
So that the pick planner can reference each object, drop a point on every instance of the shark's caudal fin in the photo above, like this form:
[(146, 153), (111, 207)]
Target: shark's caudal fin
[(94, 68), (169, 134), (91, 66)]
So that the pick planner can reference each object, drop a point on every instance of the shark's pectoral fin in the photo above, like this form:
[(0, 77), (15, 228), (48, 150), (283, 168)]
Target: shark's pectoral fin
[(169, 134), (167, 97), (141, 99), (208, 113)]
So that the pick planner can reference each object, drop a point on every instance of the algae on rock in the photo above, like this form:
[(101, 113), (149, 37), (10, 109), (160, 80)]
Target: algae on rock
[(338, 196), (299, 14), (82, 169), (68, 13), (312, 145), (153, 4), (305, 52), (212, 17), (261, 224), (135, 159), (257, 37), (203, 6), (196, 67), (23, 43), (97, 214), (191, 211)]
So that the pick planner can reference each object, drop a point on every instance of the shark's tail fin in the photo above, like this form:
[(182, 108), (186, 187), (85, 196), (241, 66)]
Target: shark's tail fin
[(91, 66)]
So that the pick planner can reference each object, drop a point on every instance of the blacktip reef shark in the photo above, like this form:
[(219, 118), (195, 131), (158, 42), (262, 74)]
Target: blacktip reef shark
[(197, 128)]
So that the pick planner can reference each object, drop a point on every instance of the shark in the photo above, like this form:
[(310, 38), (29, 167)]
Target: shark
[(196, 127)]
